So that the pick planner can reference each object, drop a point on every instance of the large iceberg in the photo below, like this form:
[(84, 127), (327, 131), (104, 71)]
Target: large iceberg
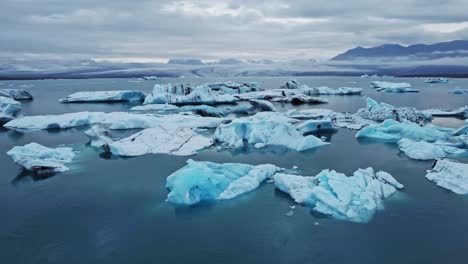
[(9, 109), (181, 94), (354, 198), (391, 87), (392, 131), (40, 159), (450, 175), (208, 181), (104, 96), (162, 139), (17, 94), (115, 120), (293, 84), (262, 133), (379, 112), (436, 80), (421, 150)]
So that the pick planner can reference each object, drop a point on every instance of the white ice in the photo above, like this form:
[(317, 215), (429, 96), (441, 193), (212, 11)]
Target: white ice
[(354, 198), (38, 158), (450, 175), (265, 132), (17, 94), (9, 109), (161, 139), (99, 136), (208, 181), (379, 112), (312, 126), (104, 96), (436, 80), (421, 150)]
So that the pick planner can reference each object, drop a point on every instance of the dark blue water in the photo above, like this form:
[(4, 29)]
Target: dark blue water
[(112, 210)]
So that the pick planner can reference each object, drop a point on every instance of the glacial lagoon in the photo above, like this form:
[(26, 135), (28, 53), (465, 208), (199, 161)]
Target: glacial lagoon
[(110, 209)]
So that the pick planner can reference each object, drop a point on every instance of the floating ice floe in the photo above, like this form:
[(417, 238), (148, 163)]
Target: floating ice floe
[(158, 108), (99, 136), (9, 109), (265, 132), (263, 105), (421, 150), (350, 121), (391, 87), (161, 139), (460, 112), (300, 99), (233, 87), (203, 110), (181, 94), (436, 80), (104, 96), (115, 120), (293, 84), (40, 159), (450, 175), (149, 78), (392, 131), (317, 113), (17, 94), (354, 198), (381, 111), (459, 91), (208, 181), (313, 126)]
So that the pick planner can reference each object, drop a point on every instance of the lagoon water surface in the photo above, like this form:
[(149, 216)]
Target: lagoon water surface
[(109, 209)]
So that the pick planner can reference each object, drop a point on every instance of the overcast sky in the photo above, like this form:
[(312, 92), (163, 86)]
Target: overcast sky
[(146, 30)]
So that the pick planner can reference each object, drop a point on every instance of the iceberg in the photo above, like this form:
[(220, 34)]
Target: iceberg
[(263, 105), (459, 91), (421, 150), (149, 78), (262, 133), (291, 84), (186, 95), (230, 87), (17, 94), (115, 120), (329, 91), (161, 139), (317, 113), (9, 109), (313, 126), (300, 99), (104, 96), (354, 198), (99, 136), (460, 112), (379, 112), (450, 175), (436, 80), (390, 85), (207, 181), (40, 159), (203, 110), (393, 131)]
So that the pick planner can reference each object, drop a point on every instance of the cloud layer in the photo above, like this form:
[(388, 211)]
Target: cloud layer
[(208, 29)]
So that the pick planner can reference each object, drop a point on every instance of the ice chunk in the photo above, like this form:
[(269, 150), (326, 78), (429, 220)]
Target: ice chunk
[(186, 95), (354, 198), (149, 78), (316, 113), (460, 112), (236, 133), (16, 94), (203, 110), (263, 105), (116, 120), (99, 136), (424, 150), (381, 111), (9, 109), (436, 80), (161, 139), (329, 91), (104, 96), (300, 99), (230, 87), (350, 121), (312, 126), (450, 175), (39, 159), (391, 85), (459, 91), (392, 131), (208, 181), (291, 84)]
